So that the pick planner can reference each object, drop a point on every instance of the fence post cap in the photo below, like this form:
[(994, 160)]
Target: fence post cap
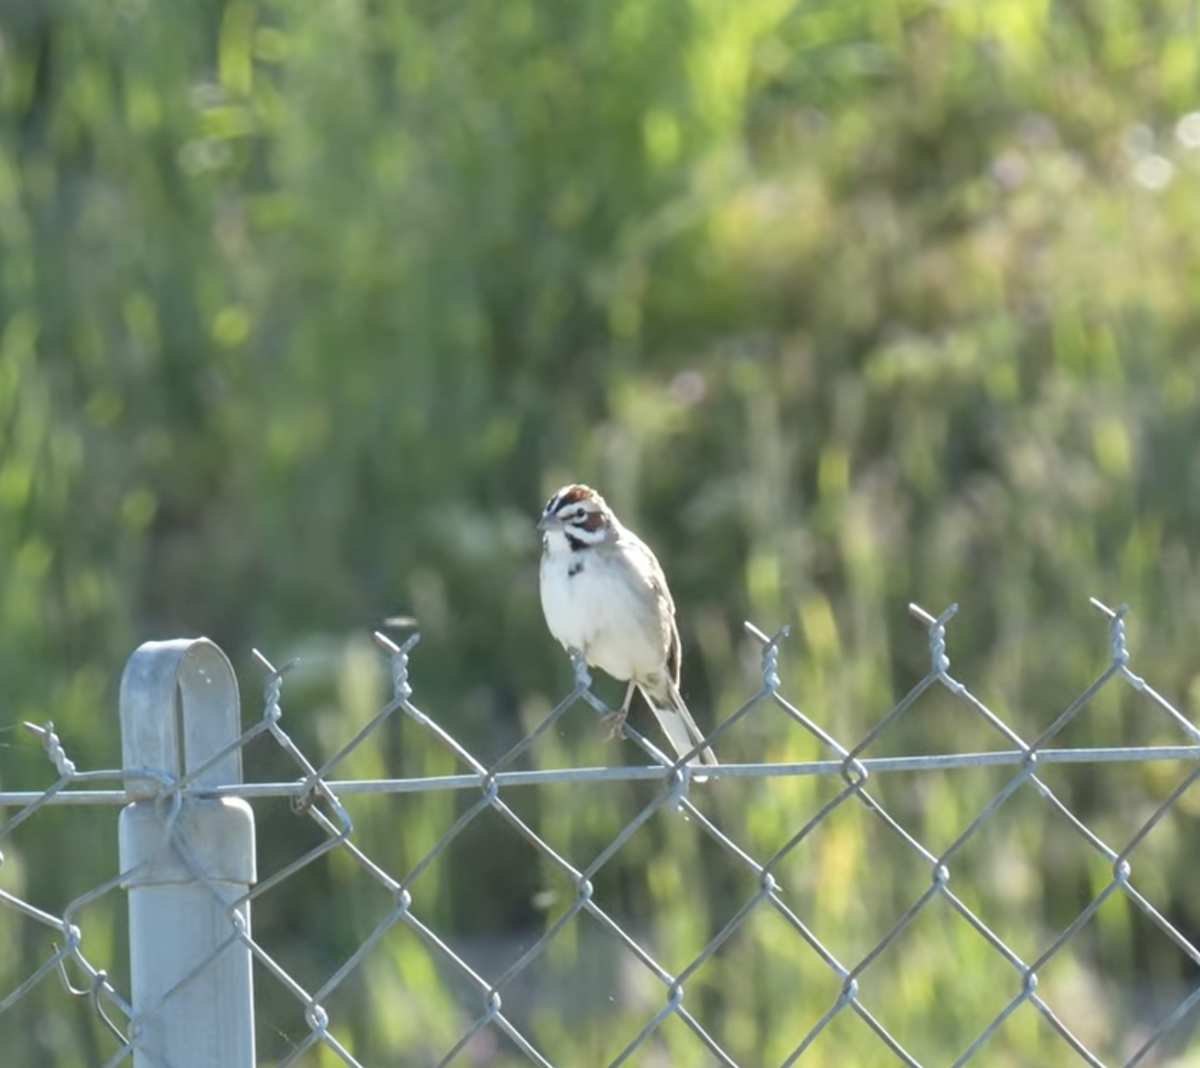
[(179, 709)]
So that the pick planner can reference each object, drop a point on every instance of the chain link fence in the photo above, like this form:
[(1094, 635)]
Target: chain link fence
[(865, 906)]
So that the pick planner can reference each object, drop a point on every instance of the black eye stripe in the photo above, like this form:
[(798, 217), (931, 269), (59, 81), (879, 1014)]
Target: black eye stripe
[(579, 508)]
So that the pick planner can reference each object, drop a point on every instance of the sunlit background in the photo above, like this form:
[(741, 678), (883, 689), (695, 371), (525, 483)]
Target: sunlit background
[(305, 309)]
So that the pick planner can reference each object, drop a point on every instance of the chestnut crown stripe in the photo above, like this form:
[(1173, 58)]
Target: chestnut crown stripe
[(579, 507), (583, 513)]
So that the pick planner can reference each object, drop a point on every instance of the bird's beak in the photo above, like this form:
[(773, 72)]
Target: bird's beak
[(548, 522)]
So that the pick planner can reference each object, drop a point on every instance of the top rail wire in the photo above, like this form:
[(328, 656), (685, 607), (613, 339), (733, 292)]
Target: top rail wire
[(649, 773)]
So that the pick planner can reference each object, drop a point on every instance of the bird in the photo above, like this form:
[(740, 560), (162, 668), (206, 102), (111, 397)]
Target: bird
[(604, 595)]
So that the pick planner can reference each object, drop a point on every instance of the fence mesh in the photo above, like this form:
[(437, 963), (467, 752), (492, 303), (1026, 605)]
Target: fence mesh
[(782, 954)]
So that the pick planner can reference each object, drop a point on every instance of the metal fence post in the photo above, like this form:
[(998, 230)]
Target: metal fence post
[(186, 859)]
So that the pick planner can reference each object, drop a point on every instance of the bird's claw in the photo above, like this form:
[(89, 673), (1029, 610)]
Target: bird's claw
[(615, 723)]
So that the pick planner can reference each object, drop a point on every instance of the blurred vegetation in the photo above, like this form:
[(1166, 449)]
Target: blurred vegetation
[(305, 308)]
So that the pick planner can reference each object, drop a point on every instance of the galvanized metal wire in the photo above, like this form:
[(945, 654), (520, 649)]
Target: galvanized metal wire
[(319, 792)]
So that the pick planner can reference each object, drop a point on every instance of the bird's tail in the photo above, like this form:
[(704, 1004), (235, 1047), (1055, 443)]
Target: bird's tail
[(679, 727)]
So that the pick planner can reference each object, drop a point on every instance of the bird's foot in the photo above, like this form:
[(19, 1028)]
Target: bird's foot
[(615, 723)]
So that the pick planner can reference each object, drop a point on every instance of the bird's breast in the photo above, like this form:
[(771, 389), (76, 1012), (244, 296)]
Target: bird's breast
[(613, 622)]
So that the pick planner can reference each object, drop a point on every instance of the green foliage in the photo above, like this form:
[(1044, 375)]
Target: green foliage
[(305, 309)]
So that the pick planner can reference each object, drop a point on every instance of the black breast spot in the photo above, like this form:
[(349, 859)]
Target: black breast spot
[(575, 568)]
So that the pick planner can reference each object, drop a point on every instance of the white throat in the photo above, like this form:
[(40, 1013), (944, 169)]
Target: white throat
[(555, 541)]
